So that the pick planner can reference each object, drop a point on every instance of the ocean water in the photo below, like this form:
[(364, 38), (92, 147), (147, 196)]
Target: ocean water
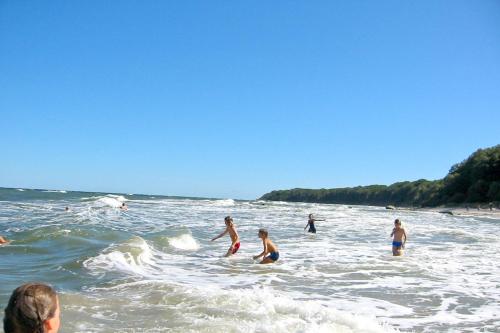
[(153, 268)]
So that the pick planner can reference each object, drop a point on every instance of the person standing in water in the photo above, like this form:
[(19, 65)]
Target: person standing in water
[(310, 224), (235, 239), (399, 241)]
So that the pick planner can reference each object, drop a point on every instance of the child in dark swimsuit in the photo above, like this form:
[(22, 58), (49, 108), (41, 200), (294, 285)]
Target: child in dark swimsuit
[(399, 241), (269, 248), (310, 223)]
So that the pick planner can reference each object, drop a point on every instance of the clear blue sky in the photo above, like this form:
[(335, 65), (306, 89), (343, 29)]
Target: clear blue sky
[(237, 98)]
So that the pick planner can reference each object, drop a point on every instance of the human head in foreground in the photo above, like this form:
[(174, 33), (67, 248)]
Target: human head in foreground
[(32, 308)]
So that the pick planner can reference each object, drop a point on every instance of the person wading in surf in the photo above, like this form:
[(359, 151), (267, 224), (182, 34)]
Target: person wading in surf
[(399, 241), (310, 223), (235, 239)]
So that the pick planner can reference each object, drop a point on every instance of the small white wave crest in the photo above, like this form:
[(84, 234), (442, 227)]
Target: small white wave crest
[(184, 242), (114, 201), (131, 256), (224, 202)]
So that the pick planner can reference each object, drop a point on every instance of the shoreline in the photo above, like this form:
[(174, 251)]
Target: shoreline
[(458, 211)]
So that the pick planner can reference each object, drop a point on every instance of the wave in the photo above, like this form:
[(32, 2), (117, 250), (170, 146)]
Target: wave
[(224, 202), (55, 191), (212, 309), (117, 197), (131, 256), (184, 242), (21, 189), (114, 201)]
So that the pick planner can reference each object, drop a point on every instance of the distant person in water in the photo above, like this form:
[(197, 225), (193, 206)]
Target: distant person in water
[(310, 224), (399, 240), (3, 240), (66, 209), (124, 206), (32, 308), (269, 248), (235, 239)]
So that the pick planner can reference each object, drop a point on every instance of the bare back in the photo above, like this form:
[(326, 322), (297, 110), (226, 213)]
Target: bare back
[(270, 247)]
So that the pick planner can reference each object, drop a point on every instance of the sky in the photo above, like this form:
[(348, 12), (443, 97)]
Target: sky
[(232, 99)]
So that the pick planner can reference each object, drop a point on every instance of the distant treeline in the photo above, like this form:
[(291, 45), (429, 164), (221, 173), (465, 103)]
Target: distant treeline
[(475, 180)]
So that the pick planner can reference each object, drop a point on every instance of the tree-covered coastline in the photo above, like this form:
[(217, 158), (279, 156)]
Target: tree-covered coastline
[(476, 180)]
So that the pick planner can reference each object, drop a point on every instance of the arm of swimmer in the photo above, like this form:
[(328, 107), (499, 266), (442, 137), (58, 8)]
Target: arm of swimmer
[(263, 253), (220, 235), (392, 233)]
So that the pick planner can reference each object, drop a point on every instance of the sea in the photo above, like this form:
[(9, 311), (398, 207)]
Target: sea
[(154, 268)]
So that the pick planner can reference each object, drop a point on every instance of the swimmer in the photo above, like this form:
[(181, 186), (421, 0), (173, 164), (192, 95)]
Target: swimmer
[(32, 308), (124, 206), (269, 248), (398, 243), (3, 240), (235, 239), (310, 223), (66, 209)]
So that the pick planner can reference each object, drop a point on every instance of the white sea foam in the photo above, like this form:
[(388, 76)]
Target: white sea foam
[(55, 191), (115, 201), (131, 257), (237, 310), (120, 198), (184, 242), (224, 202)]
